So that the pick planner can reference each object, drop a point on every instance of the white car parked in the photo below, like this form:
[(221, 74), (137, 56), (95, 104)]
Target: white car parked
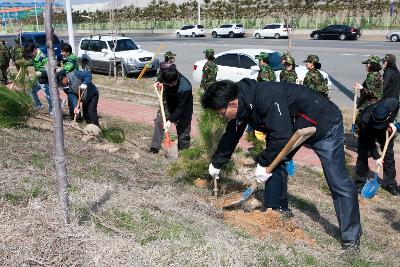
[(230, 30), (96, 54), (191, 30), (274, 30), (393, 36), (237, 64)]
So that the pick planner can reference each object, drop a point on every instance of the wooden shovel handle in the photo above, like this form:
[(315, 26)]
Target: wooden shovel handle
[(388, 138), (355, 105), (77, 105), (160, 99)]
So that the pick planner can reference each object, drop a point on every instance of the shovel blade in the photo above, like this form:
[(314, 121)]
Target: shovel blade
[(370, 188), (245, 196)]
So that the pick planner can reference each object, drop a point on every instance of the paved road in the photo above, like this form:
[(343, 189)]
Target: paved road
[(340, 59)]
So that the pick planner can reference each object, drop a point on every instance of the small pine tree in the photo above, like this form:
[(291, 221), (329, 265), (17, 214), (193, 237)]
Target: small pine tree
[(15, 107)]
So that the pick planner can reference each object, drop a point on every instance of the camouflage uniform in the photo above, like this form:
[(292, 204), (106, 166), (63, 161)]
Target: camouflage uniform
[(288, 76), (314, 79), (17, 54), (4, 62), (265, 73), (372, 88), (210, 70), (168, 62)]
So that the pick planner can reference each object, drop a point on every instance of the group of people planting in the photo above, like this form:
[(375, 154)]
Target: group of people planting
[(278, 109)]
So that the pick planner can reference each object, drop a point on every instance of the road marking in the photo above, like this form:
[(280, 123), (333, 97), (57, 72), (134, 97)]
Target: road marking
[(348, 54)]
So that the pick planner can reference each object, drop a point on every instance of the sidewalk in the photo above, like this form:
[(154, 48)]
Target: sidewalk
[(145, 115)]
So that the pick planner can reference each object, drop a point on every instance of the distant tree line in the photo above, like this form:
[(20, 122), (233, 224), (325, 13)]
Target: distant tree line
[(161, 10)]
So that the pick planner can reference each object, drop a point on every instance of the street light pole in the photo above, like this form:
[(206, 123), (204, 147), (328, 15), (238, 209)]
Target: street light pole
[(37, 21), (69, 24), (198, 12)]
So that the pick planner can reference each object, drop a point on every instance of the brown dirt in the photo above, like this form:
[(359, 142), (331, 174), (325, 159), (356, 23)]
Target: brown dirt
[(202, 183), (259, 224)]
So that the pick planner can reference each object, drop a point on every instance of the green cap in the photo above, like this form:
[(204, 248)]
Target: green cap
[(372, 59), (312, 58), (283, 56), (169, 54), (289, 60), (262, 56), (209, 52)]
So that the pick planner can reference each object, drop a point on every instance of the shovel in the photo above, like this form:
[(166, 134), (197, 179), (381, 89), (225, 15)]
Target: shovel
[(353, 125), (76, 110), (159, 88), (371, 186), (297, 139)]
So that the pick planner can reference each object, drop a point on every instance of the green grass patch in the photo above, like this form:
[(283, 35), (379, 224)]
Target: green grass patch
[(16, 198), (113, 135), (15, 107)]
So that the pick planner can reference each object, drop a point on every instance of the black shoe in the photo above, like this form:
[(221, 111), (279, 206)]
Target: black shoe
[(351, 245), (154, 150), (286, 214), (392, 189)]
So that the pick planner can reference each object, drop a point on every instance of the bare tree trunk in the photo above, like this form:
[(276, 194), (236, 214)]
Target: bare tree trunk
[(59, 157)]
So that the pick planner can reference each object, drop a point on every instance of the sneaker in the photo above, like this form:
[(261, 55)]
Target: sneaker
[(286, 214), (351, 245), (38, 107), (154, 150), (392, 189)]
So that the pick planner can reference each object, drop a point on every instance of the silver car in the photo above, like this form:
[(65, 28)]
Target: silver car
[(393, 36)]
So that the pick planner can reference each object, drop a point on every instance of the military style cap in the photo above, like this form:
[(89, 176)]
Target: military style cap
[(389, 57), (289, 60), (262, 56), (312, 58), (209, 51), (372, 59), (283, 56), (169, 54)]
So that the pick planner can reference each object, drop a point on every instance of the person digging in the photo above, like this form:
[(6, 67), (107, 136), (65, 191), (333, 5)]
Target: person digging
[(178, 99), (279, 109), (79, 88)]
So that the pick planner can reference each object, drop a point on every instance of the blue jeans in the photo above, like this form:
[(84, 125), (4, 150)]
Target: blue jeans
[(46, 91)]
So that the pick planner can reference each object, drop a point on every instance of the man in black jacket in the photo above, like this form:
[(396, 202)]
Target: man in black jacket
[(391, 78), (279, 109), (178, 101), (375, 120)]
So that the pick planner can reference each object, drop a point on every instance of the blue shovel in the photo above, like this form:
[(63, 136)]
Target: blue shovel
[(372, 185), (296, 140)]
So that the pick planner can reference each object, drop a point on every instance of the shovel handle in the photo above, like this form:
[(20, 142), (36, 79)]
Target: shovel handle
[(388, 138), (355, 105)]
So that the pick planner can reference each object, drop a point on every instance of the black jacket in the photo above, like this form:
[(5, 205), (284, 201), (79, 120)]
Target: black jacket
[(391, 83), (179, 99), (278, 109)]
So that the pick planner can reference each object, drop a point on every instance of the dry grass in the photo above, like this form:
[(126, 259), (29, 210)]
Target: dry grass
[(127, 212)]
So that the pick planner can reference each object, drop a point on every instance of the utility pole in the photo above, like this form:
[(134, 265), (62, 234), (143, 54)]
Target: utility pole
[(59, 153), (37, 21), (70, 26), (198, 12)]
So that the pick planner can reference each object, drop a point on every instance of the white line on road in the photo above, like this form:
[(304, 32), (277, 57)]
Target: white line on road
[(348, 54)]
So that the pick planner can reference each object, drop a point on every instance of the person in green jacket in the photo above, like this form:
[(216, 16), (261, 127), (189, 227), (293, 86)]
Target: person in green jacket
[(288, 73), (266, 73), (39, 62), (69, 60)]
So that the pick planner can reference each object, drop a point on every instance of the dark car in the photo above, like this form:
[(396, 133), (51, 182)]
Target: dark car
[(39, 39), (341, 32)]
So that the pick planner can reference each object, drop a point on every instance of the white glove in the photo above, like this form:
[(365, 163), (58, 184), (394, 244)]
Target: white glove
[(76, 110), (394, 128), (167, 125), (379, 162), (261, 174), (357, 86), (213, 171), (83, 87), (38, 74)]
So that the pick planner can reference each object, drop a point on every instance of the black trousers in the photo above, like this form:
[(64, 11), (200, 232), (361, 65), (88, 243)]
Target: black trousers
[(90, 110), (366, 139), (330, 150), (183, 127), (275, 193)]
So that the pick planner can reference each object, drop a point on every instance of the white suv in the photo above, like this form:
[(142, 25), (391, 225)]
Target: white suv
[(191, 30), (230, 30), (274, 30), (96, 54)]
